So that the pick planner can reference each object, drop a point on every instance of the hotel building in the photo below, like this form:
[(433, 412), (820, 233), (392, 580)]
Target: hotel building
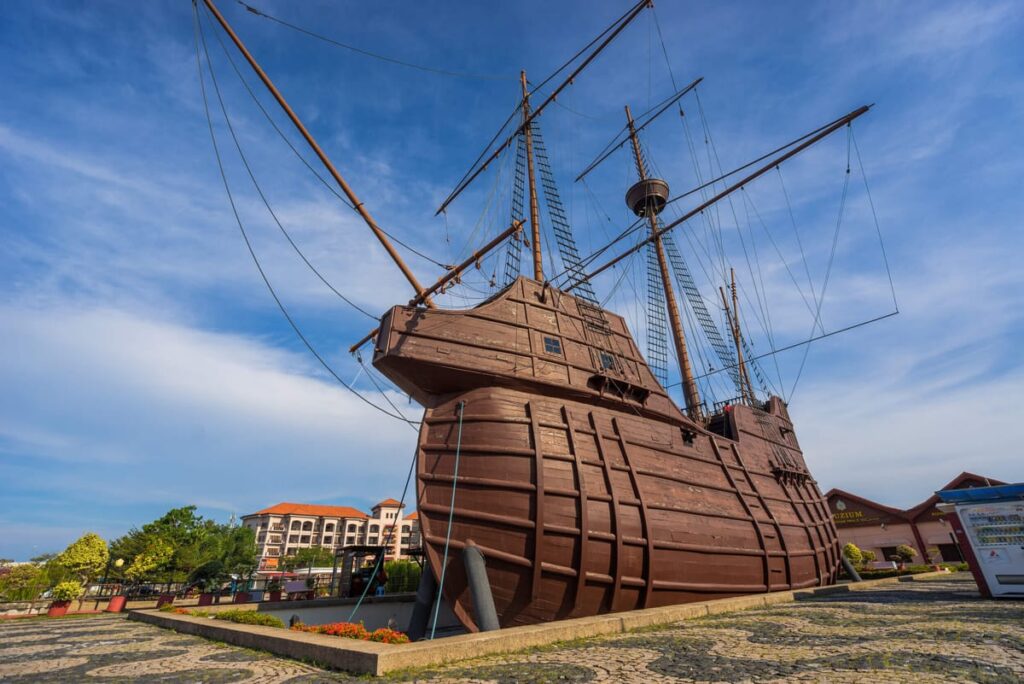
[(281, 530)]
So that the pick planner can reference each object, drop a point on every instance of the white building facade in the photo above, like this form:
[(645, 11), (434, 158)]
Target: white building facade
[(281, 530)]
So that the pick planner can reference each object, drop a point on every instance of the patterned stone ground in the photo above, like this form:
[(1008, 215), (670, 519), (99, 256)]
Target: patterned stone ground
[(920, 632)]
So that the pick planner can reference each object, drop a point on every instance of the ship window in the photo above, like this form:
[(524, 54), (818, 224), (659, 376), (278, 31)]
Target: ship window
[(607, 361), (552, 345)]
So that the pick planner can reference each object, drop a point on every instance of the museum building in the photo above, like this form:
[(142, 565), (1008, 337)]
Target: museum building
[(879, 528)]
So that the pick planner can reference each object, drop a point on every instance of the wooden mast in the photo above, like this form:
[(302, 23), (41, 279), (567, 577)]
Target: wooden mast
[(538, 263), (690, 392), (732, 314), (356, 202)]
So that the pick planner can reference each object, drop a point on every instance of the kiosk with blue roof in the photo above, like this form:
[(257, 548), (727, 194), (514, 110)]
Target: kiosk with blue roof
[(989, 526)]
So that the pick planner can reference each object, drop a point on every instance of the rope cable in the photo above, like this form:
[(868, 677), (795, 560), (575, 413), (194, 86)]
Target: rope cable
[(327, 184), (248, 243), (374, 55), (461, 407)]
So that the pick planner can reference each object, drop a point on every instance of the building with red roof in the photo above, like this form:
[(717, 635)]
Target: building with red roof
[(875, 527), (284, 528)]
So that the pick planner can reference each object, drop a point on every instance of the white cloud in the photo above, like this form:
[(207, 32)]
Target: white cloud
[(104, 404)]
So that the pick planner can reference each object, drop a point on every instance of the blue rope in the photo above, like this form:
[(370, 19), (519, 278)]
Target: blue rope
[(451, 514)]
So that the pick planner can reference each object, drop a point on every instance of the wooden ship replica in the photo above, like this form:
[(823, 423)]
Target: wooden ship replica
[(549, 444)]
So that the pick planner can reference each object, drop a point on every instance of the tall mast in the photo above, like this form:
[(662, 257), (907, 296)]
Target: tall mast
[(647, 198), (538, 263), (733, 316), (356, 202)]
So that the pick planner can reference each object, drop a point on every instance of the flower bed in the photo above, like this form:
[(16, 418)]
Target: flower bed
[(350, 630)]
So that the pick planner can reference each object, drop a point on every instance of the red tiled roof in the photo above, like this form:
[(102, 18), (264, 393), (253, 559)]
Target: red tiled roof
[(313, 509), (415, 515), (390, 502), (915, 511)]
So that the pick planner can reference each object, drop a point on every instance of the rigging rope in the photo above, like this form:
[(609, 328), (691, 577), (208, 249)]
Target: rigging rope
[(461, 408), (375, 55), (327, 184), (387, 542), (266, 202), (831, 256), (199, 36)]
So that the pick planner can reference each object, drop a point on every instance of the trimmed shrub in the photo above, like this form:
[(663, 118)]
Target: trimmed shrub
[(67, 591), (906, 553), (853, 554), (249, 617)]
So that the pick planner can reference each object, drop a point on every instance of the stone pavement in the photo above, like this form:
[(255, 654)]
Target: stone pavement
[(920, 632)]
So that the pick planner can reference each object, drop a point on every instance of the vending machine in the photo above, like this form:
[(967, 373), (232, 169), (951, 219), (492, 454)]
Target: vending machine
[(989, 527)]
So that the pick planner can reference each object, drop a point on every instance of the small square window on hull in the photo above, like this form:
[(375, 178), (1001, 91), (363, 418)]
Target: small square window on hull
[(552, 345), (607, 361)]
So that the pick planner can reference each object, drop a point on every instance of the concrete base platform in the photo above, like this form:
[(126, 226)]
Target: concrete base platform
[(373, 658)]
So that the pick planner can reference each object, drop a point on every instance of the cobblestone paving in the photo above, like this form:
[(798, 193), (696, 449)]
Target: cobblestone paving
[(920, 632)]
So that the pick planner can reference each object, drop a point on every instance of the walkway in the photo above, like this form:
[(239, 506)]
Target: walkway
[(920, 632)]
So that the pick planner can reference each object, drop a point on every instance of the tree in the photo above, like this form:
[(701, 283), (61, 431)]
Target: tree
[(403, 576), (867, 558), (22, 582), (156, 556), (905, 553), (85, 558), (188, 535), (43, 558), (312, 557), (238, 550), (853, 554), (208, 577)]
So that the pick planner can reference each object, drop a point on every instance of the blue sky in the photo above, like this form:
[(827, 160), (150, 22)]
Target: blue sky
[(144, 365)]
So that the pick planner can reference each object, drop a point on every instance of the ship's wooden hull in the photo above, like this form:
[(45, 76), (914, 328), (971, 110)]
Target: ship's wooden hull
[(581, 510), (592, 493)]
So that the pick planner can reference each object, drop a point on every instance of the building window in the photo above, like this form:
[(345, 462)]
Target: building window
[(552, 345), (304, 539), (329, 527), (290, 552), (293, 538), (296, 524), (307, 526), (374, 529), (350, 540), (351, 527), (405, 541), (262, 538), (328, 540), (405, 528)]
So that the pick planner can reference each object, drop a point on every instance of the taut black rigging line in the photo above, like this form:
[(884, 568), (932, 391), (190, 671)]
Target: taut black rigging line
[(801, 343), (640, 223), (245, 236), (263, 197), (831, 257), (330, 187), (639, 124), (611, 32), (366, 53)]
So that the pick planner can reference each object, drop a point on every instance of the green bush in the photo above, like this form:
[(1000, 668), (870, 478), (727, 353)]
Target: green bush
[(906, 553), (853, 554), (67, 591), (249, 617)]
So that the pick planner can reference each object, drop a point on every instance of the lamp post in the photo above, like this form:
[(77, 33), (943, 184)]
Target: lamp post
[(116, 604)]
